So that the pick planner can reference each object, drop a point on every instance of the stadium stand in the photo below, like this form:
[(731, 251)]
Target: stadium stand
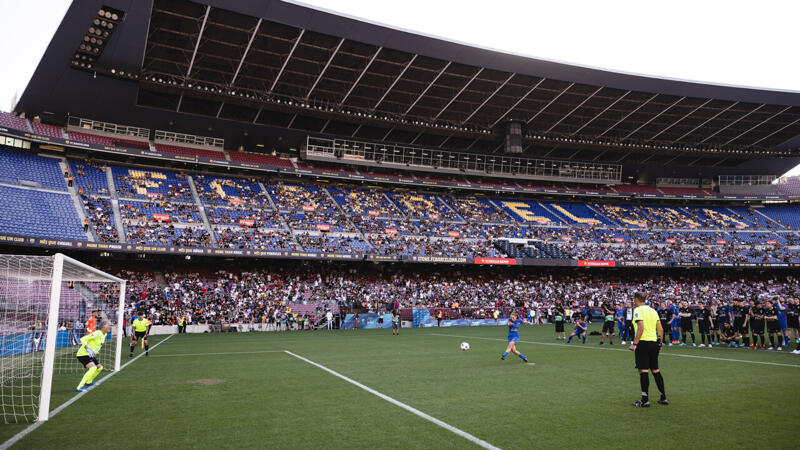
[(189, 151), (259, 158), (47, 130), (28, 212), (20, 167)]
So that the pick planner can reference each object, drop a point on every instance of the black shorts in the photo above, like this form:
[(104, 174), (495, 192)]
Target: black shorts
[(792, 322), (686, 325), (773, 326), (714, 325), (608, 327), (757, 326), (86, 359), (739, 326), (139, 334), (559, 326), (704, 326), (665, 325), (646, 354)]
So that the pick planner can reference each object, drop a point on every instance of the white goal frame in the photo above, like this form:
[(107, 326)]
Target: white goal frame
[(52, 325)]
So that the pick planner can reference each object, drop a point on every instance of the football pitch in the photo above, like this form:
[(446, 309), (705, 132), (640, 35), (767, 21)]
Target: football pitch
[(369, 389)]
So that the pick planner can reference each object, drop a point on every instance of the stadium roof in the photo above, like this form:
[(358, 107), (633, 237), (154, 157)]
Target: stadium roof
[(198, 63)]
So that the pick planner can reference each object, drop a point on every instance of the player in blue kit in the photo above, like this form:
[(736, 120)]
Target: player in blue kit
[(676, 324), (580, 330), (514, 322)]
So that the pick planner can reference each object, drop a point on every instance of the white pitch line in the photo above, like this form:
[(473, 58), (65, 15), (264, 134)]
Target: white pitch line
[(622, 350), (410, 409), (217, 353), (36, 425)]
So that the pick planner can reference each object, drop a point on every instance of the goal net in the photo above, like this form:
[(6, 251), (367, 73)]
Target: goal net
[(47, 303)]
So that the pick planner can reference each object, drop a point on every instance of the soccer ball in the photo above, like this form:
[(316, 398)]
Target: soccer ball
[(464, 346)]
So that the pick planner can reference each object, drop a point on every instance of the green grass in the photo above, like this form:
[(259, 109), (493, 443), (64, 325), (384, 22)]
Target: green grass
[(576, 396)]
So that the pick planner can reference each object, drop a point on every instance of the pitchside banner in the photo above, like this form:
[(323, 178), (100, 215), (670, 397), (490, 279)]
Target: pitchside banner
[(368, 320)]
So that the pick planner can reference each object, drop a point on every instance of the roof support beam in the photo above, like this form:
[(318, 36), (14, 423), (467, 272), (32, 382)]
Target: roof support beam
[(403, 72), (387, 133), (530, 91), (573, 110), (324, 127), (319, 77), (654, 117), (678, 121), (194, 52), (627, 115), (550, 102), (759, 124), (416, 137), (459, 93), (775, 132), (197, 43), (291, 122), (732, 123), (286, 61), (705, 122), (355, 83), (356, 130), (428, 87), (258, 114), (475, 111), (600, 113), (246, 51)]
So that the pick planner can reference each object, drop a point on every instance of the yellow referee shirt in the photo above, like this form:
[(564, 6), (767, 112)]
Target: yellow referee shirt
[(649, 318)]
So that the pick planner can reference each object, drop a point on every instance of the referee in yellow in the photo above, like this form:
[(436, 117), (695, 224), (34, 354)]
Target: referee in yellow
[(646, 346)]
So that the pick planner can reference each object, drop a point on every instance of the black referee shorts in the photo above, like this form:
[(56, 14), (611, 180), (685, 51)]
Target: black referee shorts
[(646, 354), (559, 326)]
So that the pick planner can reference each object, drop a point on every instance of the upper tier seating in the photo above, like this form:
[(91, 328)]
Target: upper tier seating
[(259, 158), (47, 130), (9, 120)]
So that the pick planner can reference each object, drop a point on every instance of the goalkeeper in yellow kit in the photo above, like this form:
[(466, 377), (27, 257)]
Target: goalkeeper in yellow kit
[(87, 355)]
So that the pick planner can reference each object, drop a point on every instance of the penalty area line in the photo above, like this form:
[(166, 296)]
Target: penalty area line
[(61, 407), (682, 355), (408, 408)]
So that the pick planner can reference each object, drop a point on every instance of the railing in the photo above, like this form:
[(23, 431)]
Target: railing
[(81, 124), (444, 161), (746, 180), (189, 139)]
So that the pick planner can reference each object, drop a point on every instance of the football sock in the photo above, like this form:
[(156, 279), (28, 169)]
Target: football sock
[(505, 354), (771, 340), (683, 337), (762, 340), (693, 340), (660, 383), (570, 339), (644, 380), (522, 357), (147, 347), (86, 377), (95, 373), (584, 339), (746, 341)]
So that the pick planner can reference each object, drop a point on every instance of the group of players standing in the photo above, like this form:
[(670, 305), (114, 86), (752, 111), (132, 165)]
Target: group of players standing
[(742, 324)]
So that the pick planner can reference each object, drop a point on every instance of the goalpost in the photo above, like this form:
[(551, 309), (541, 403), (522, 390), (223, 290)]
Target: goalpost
[(45, 303)]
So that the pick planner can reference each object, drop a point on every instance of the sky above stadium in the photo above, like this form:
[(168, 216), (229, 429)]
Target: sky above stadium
[(734, 42)]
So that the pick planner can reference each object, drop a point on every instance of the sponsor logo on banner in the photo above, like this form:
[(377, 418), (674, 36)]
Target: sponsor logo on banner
[(566, 238), (585, 263), (721, 241), (246, 222), (619, 239), (236, 201), (772, 241), (642, 224), (740, 226), (692, 226), (391, 231), (323, 227), (434, 216), (161, 217), (372, 212), (670, 240), (503, 261), (308, 208), (453, 233), (153, 195)]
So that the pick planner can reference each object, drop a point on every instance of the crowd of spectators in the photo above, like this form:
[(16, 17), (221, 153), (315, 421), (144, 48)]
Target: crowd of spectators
[(254, 295)]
